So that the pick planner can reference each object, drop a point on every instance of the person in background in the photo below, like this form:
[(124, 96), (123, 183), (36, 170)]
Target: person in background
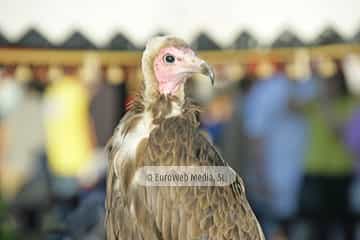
[(352, 141), (239, 150), (107, 104), (23, 144), (234, 143), (255, 174), (91, 76), (324, 198), (23, 130), (116, 77), (69, 138), (279, 136), (351, 68)]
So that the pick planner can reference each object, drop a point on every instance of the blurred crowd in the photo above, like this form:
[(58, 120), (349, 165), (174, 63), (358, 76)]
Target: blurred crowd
[(55, 124), (290, 129)]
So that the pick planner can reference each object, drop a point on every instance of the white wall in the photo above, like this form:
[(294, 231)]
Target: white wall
[(99, 19)]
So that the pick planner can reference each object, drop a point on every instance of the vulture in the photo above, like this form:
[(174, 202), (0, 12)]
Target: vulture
[(161, 128)]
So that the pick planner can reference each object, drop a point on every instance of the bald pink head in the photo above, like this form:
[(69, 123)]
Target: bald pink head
[(173, 66)]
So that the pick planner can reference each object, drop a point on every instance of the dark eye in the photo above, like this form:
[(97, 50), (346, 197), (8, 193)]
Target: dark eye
[(168, 58)]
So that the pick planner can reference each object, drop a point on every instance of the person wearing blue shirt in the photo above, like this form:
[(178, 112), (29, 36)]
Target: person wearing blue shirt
[(280, 132)]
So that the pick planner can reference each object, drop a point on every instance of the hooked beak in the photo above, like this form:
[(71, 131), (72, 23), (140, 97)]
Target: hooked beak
[(194, 64), (206, 70)]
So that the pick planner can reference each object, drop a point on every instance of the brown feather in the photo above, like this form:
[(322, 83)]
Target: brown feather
[(216, 211), (151, 135)]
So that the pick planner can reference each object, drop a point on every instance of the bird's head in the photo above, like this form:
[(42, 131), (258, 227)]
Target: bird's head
[(167, 63)]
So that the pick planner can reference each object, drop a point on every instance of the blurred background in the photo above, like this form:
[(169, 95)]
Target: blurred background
[(284, 111)]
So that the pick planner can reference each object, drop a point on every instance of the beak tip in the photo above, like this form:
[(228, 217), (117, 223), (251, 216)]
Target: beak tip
[(212, 78), (208, 71)]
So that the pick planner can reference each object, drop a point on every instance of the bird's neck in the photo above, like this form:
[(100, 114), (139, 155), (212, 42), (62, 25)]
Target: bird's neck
[(153, 92), (164, 106)]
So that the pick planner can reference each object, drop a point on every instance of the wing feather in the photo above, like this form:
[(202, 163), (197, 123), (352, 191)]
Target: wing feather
[(198, 212), (166, 213)]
